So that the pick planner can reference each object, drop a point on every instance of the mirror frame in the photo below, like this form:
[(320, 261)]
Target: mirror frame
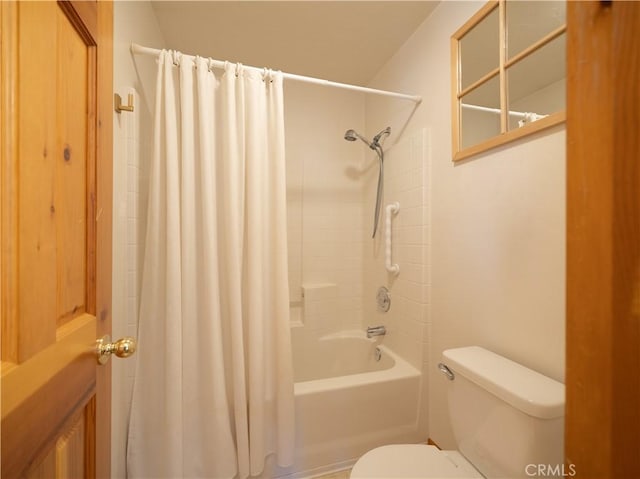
[(457, 92)]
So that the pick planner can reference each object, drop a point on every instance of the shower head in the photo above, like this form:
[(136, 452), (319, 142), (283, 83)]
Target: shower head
[(352, 135)]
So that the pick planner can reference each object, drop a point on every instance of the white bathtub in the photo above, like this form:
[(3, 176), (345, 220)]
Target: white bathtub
[(347, 402)]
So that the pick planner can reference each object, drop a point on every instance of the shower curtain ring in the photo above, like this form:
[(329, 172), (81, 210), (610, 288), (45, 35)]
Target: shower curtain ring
[(176, 57)]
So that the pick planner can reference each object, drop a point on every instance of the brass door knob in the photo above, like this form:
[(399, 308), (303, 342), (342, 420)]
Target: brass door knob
[(123, 348)]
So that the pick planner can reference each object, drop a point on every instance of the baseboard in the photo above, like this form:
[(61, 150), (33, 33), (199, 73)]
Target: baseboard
[(431, 443), (320, 471)]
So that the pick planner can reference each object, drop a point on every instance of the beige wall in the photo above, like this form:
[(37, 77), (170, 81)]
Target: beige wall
[(133, 22), (496, 238)]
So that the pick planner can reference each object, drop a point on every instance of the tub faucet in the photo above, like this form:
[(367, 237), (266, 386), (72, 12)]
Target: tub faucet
[(376, 331)]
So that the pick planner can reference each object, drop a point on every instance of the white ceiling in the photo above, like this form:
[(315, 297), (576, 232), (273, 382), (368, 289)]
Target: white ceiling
[(344, 41)]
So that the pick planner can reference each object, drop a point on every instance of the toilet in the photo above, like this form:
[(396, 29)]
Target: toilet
[(507, 420)]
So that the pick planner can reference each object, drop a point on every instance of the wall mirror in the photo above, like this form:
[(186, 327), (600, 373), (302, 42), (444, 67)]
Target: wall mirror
[(508, 74)]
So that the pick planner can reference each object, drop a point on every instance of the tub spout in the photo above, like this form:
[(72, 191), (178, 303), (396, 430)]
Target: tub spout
[(376, 331)]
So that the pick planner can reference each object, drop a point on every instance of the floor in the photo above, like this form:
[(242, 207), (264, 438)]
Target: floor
[(336, 475)]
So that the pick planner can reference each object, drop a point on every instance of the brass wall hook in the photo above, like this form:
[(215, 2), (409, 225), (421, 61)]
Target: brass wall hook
[(119, 107)]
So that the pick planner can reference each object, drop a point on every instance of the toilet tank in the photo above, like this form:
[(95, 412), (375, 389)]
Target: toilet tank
[(507, 419)]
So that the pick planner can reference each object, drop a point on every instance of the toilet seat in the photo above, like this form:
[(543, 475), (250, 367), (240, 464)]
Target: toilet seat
[(412, 461)]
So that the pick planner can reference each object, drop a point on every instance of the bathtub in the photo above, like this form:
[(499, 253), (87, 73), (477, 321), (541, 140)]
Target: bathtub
[(347, 402)]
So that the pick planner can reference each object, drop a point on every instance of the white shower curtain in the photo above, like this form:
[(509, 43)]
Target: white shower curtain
[(213, 392)]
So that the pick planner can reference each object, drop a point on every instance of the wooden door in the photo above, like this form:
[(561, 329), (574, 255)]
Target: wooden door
[(56, 127), (603, 240)]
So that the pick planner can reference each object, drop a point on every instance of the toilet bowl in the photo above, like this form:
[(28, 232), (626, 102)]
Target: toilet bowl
[(412, 461), (504, 417)]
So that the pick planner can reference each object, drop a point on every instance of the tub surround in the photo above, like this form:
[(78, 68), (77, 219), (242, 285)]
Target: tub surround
[(320, 308), (324, 204)]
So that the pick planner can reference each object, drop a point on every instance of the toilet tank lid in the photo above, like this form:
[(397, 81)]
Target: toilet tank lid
[(521, 387)]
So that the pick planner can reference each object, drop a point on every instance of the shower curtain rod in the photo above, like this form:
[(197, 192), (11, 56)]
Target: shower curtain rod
[(498, 111), (139, 49)]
